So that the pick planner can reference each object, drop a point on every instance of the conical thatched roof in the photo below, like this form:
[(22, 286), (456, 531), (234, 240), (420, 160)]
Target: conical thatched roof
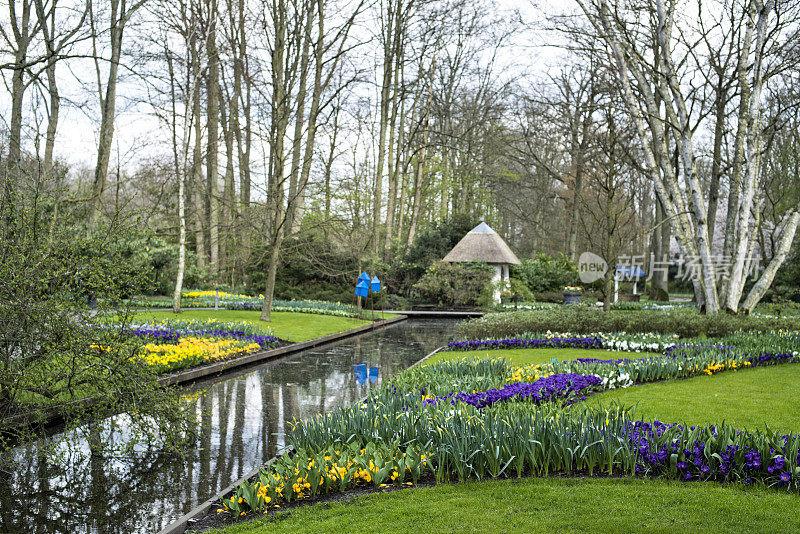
[(482, 244)]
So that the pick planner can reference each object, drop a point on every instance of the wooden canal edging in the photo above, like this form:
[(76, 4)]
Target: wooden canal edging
[(53, 416), (191, 375)]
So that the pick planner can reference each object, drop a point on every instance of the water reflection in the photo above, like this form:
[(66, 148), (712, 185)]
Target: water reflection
[(243, 418)]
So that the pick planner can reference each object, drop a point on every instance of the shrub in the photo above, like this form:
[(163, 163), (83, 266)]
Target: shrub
[(455, 284), (546, 273), (579, 319), (431, 245)]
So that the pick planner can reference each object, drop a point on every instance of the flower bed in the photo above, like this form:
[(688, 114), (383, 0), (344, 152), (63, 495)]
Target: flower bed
[(481, 418), (190, 351), (566, 386), (230, 301), (523, 343), (358, 446), (178, 344), (298, 306), (685, 322)]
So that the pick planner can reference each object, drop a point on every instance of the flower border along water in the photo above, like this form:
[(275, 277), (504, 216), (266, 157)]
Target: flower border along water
[(178, 344), (479, 418)]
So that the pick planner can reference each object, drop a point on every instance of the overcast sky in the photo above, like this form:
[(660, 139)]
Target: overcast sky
[(139, 135)]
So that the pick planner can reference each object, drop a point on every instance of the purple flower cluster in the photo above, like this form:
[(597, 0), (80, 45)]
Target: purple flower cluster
[(655, 455), (551, 388), (769, 358), (521, 343), (167, 336)]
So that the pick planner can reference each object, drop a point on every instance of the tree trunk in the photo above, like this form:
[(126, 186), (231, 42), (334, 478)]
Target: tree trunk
[(197, 157), (297, 146), (738, 278), (276, 216), (393, 167), (386, 86), (419, 174), (176, 295), (119, 16), (272, 270), (578, 164), (22, 33), (212, 152), (760, 288), (716, 158), (732, 231)]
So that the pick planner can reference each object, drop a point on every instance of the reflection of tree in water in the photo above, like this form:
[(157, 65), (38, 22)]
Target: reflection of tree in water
[(98, 494), (242, 421)]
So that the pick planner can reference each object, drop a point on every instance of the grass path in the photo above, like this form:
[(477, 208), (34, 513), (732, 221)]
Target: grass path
[(535, 356), (549, 505), (747, 398), (291, 326)]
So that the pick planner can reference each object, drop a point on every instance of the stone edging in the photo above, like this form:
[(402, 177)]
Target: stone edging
[(440, 349)]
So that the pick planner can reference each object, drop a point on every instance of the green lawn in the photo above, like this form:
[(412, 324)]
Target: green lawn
[(549, 505), (286, 325), (747, 398), (531, 356)]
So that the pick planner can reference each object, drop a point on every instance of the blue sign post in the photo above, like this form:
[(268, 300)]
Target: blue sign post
[(366, 286), (362, 289)]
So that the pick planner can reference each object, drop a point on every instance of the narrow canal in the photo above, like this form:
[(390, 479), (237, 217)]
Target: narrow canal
[(244, 415)]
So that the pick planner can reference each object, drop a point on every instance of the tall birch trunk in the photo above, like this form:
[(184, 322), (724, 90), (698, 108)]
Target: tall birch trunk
[(738, 278), (198, 185)]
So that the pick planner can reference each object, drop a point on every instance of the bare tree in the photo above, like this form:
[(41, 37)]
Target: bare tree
[(119, 15), (646, 85)]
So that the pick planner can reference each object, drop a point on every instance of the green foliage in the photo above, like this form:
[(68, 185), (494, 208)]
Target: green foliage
[(312, 268), (56, 359), (517, 292), (430, 245), (545, 273), (455, 284), (686, 323)]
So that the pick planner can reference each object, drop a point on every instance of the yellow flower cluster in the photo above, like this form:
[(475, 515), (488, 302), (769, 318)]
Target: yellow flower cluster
[(717, 367), (332, 473), (530, 373), (203, 294), (195, 350)]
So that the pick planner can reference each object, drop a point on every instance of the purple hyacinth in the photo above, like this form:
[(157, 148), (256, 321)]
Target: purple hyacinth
[(166, 336), (551, 388)]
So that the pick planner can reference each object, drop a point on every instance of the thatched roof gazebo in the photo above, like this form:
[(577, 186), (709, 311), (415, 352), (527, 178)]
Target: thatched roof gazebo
[(484, 244)]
